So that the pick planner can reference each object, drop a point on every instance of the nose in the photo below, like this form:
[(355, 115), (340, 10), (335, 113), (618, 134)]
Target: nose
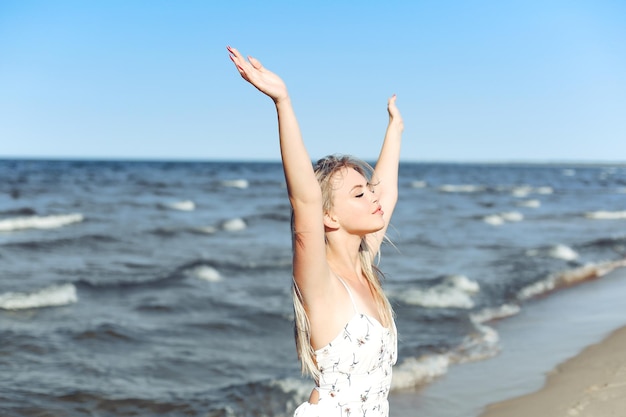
[(374, 196)]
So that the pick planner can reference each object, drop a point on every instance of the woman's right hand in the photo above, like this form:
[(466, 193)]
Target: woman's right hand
[(264, 80)]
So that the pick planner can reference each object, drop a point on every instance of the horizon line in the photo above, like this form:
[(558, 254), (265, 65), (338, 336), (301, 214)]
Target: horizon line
[(277, 160)]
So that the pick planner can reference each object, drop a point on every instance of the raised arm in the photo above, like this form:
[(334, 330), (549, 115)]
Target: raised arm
[(311, 269), (386, 171)]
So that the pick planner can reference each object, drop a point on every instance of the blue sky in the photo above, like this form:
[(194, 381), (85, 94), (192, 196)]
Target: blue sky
[(476, 81)]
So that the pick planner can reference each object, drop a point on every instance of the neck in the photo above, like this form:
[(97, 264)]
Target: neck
[(342, 253)]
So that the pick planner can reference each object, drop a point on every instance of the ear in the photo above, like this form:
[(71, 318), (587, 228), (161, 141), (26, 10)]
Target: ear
[(330, 221)]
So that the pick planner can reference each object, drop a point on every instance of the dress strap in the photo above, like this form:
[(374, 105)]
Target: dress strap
[(356, 310)]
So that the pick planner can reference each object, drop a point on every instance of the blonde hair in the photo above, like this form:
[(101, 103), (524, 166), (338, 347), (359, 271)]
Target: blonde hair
[(324, 170)]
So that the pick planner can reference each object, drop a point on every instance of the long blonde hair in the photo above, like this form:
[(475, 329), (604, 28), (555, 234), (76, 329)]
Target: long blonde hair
[(324, 169)]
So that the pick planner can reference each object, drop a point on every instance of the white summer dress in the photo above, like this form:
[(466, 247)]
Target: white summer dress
[(355, 370)]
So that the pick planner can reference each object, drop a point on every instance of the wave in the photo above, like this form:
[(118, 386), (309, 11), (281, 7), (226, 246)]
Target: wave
[(413, 372), (184, 205), (501, 218), (237, 183), (568, 278), (525, 190), (54, 296), (416, 371), (606, 215), (453, 291), (205, 273), (39, 222), (557, 252), (495, 313), (419, 184), (233, 225), (529, 203), (462, 188)]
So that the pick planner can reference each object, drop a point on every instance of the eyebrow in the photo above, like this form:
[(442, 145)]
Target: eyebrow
[(359, 186)]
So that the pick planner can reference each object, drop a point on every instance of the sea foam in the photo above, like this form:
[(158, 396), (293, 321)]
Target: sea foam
[(185, 205), (557, 252), (206, 273), (237, 183), (57, 295), (419, 184), (461, 188), (233, 225), (501, 218), (569, 277), (415, 371), (39, 222), (524, 190), (529, 203), (454, 292), (495, 313), (606, 215)]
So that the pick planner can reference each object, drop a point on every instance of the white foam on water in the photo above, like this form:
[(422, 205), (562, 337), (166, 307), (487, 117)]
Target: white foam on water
[(206, 273), (301, 387), (501, 218), (621, 190), (568, 172), (494, 220), (544, 190), (537, 288), (524, 190), (529, 203), (454, 292), (413, 372), (298, 390), (562, 252), (489, 314), (512, 216), (234, 225), (237, 183), (185, 205), (419, 184), (39, 222), (569, 277), (521, 191), (606, 215), (480, 345), (57, 295), (461, 188)]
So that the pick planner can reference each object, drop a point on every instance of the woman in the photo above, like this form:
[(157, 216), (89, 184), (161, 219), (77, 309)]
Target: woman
[(345, 333)]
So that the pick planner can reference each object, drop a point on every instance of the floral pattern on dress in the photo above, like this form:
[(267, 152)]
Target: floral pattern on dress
[(355, 371)]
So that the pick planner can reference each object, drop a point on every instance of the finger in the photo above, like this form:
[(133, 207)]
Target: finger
[(233, 51), (236, 56), (255, 62)]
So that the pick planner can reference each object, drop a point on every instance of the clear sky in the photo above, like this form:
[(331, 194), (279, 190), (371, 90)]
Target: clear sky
[(529, 80)]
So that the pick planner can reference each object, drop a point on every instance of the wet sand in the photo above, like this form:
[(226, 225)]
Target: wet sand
[(593, 383)]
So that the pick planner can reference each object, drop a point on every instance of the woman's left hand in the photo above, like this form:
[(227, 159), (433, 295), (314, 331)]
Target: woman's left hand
[(264, 80)]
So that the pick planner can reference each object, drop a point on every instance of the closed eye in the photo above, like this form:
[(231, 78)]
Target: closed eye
[(359, 195)]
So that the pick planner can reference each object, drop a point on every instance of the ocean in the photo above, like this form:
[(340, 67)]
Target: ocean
[(163, 288)]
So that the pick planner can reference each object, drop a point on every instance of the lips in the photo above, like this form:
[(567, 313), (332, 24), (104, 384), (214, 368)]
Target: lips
[(379, 210)]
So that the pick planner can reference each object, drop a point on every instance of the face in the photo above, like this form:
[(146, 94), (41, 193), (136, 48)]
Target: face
[(355, 203)]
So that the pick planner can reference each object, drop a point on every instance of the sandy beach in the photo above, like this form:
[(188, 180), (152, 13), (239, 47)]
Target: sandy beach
[(590, 384)]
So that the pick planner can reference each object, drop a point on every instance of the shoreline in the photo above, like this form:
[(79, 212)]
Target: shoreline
[(592, 383), (546, 333)]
